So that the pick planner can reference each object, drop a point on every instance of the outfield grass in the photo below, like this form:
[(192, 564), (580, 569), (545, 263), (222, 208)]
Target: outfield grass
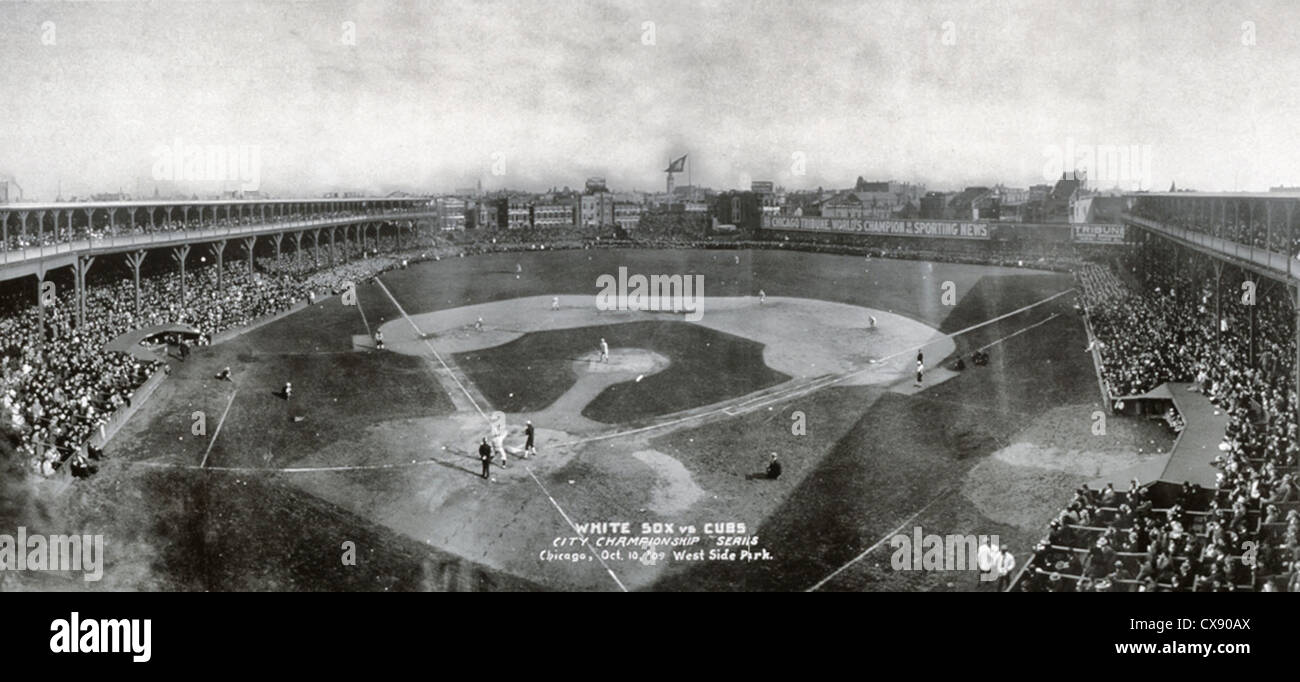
[(911, 288)]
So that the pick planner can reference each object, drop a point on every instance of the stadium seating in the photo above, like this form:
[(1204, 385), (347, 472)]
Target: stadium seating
[(1243, 535)]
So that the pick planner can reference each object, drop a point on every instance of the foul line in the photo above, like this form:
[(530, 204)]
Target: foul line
[(420, 334), (881, 541), (218, 429), (1018, 332), (575, 529), (284, 470)]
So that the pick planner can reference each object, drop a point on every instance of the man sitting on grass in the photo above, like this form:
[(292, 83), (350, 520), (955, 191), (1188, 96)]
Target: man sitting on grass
[(773, 468)]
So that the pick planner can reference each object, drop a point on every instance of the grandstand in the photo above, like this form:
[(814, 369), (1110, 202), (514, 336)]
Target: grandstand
[(61, 389), (1202, 315)]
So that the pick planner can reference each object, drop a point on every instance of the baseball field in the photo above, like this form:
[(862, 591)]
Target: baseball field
[(368, 478)]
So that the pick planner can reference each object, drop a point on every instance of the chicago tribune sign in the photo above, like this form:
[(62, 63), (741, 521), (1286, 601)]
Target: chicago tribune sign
[(952, 229), (1090, 233)]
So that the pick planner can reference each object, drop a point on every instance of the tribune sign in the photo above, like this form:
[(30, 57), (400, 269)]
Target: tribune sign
[(1089, 233), (952, 229)]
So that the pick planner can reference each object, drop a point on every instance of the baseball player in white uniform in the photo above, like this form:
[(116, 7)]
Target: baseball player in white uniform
[(604, 351), (499, 444)]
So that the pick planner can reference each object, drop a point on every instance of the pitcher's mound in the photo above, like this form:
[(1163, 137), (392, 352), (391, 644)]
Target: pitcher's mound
[(633, 361)]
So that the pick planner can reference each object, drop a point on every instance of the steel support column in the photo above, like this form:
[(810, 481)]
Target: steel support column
[(40, 303), (82, 266), (179, 254), (134, 260), (249, 244), (218, 251)]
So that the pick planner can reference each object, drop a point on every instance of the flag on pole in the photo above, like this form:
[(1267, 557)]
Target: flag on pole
[(677, 166)]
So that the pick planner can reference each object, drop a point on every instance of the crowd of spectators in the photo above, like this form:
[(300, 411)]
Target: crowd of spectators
[(1244, 534), (1231, 220), (57, 388)]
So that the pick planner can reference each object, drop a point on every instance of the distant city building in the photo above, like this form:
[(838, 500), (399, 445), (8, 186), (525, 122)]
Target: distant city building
[(1010, 196), (487, 216), (519, 217), (974, 203), (1038, 193), (1056, 207), (769, 200), (934, 206), (874, 200), (638, 198), (596, 185), (553, 215), (897, 193), (805, 203), (860, 205), (513, 213), (742, 209), (451, 213), (597, 210), (627, 215)]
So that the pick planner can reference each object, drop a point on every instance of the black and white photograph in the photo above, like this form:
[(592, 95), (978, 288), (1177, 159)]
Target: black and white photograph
[(957, 301)]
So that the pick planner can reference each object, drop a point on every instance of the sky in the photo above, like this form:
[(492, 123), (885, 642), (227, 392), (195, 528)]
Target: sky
[(310, 97)]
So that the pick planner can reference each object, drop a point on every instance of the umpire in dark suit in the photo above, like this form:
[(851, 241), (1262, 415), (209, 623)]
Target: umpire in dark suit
[(485, 456)]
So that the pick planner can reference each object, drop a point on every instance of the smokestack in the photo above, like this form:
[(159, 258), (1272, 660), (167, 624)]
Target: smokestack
[(7, 179)]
